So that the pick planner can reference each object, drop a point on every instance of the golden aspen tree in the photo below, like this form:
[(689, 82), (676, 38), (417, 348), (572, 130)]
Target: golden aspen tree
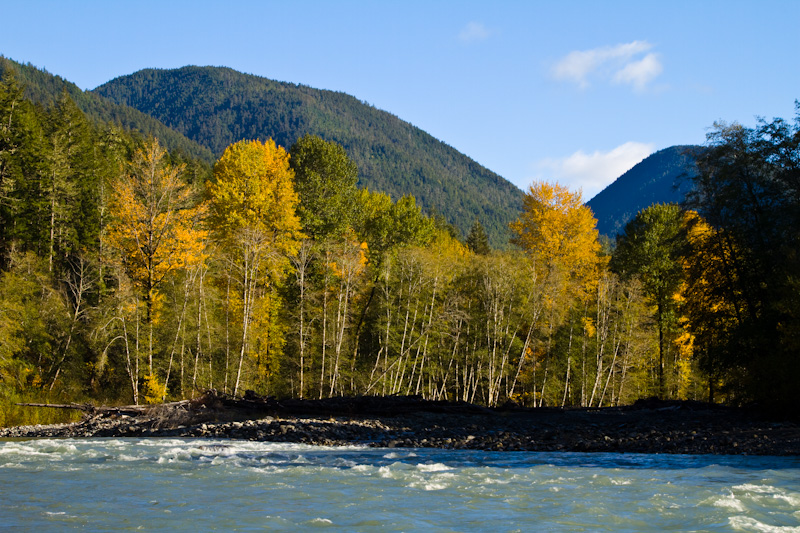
[(558, 230), (155, 227), (253, 212), (560, 237)]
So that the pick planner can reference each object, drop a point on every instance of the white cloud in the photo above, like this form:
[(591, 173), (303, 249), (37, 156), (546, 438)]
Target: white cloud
[(622, 64), (473, 32), (640, 73), (593, 172)]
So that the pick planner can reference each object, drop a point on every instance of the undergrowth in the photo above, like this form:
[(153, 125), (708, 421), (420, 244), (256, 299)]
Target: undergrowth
[(12, 414)]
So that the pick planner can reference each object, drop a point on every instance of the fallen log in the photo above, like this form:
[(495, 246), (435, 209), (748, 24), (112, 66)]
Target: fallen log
[(77, 406), (131, 410)]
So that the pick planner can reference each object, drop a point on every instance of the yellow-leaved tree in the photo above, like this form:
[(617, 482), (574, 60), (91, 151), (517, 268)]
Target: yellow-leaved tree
[(559, 235), (155, 227), (558, 231), (710, 309), (253, 213)]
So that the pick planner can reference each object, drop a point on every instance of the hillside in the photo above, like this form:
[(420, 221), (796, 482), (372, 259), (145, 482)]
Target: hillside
[(45, 88), (217, 106), (659, 178)]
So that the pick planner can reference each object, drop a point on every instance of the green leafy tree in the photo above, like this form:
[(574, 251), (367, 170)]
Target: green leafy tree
[(42, 324), (387, 225), (652, 249), (325, 180)]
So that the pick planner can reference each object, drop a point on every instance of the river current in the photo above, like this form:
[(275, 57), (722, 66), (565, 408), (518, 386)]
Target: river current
[(226, 485)]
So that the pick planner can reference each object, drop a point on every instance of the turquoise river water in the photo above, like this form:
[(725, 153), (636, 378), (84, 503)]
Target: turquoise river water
[(226, 485)]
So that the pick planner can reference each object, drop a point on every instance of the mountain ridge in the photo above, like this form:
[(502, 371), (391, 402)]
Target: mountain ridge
[(44, 88), (384, 141), (216, 106)]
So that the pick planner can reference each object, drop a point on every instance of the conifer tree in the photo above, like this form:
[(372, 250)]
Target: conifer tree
[(477, 241), (64, 182), (16, 120)]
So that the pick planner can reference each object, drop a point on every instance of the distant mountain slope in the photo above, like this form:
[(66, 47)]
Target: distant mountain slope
[(217, 106), (659, 178), (45, 88)]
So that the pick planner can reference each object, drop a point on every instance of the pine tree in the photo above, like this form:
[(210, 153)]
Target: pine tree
[(477, 240)]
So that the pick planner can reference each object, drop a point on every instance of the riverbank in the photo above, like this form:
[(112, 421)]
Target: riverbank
[(646, 427)]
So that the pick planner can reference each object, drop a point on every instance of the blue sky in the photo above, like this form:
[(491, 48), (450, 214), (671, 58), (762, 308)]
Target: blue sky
[(569, 91)]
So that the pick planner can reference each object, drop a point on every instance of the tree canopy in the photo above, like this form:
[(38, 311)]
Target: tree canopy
[(558, 229), (325, 180), (253, 189)]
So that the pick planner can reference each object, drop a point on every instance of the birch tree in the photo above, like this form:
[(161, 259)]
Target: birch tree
[(560, 237), (155, 226), (253, 213)]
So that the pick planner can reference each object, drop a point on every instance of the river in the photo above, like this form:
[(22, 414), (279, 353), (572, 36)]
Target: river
[(226, 485)]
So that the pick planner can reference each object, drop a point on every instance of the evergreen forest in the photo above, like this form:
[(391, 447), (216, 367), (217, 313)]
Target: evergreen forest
[(130, 273), (45, 89)]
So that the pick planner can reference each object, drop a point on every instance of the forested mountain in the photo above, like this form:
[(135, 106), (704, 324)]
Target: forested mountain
[(45, 89), (663, 177), (219, 106)]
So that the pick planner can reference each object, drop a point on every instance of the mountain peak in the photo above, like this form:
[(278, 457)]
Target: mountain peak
[(661, 177)]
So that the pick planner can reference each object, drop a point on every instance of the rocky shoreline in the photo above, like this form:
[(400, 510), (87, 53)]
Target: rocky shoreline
[(647, 427)]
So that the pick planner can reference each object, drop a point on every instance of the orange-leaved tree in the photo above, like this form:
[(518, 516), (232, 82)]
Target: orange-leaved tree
[(713, 306), (155, 226), (253, 213)]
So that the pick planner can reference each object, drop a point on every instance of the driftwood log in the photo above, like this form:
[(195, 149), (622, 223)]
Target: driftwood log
[(89, 409)]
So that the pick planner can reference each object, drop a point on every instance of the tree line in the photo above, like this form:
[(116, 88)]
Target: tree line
[(130, 274)]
